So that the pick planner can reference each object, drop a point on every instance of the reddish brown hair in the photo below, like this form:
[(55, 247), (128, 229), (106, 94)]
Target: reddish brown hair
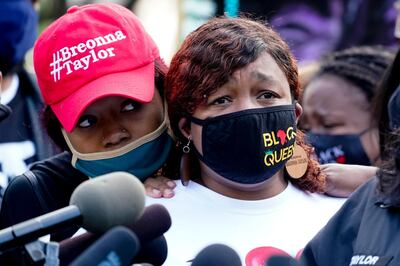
[(207, 59)]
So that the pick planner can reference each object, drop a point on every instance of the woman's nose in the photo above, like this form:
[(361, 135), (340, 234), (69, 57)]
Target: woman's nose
[(247, 103), (114, 137)]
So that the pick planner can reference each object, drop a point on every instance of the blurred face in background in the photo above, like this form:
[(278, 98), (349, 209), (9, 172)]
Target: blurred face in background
[(338, 116)]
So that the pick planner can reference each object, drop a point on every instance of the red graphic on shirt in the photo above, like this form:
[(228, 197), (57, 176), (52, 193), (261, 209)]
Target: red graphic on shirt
[(341, 159), (282, 136), (259, 256)]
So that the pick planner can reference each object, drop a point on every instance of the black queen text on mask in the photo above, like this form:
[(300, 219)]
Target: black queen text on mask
[(248, 146)]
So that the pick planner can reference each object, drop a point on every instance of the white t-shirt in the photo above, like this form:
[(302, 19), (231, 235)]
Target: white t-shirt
[(201, 217)]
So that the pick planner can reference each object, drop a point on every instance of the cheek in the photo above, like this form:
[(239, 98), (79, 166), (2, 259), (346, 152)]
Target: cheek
[(361, 119), (85, 143), (143, 124)]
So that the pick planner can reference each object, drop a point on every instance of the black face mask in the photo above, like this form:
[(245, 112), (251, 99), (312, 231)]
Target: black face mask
[(345, 149), (249, 146)]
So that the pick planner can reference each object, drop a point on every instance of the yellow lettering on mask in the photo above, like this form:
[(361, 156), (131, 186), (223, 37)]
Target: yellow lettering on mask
[(284, 152), (272, 158), (277, 160), (269, 159), (270, 139), (290, 153), (290, 133)]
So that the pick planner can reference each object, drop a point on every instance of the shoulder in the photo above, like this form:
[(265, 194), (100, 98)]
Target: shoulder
[(19, 202), (190, 195), (53, 182), (341, 231), (57, 177), (57, 168)]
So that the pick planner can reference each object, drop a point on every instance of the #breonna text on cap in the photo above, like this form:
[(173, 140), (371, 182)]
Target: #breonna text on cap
[(64, 59)]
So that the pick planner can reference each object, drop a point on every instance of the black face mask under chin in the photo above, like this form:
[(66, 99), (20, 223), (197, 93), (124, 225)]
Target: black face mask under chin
[(248, 146), (344, 149)]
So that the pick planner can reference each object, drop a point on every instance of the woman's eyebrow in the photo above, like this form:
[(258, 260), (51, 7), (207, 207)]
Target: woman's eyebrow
[(262, 77)]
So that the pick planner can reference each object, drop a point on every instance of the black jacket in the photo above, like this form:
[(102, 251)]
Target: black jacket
[(365, 231), (34, 103), (27, 197)]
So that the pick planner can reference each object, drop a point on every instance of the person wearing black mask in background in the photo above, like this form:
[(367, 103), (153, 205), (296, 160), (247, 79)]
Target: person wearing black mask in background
[(22, 139), (337, 115), (365, 231)]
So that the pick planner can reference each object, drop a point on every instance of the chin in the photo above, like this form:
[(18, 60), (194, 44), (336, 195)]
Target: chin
[(241, 186)]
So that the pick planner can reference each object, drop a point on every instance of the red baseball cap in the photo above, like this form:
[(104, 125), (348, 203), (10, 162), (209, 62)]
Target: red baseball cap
[(93, 51)]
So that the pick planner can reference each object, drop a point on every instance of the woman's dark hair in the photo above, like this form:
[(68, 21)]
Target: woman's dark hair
[(389, 172), (211, 54), (53, 126), (362, 66)]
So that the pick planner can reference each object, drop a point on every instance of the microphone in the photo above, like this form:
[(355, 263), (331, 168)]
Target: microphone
[(154, 222), (153, 252), (281, 260), (117, 247), (217, 255), (97, 204)]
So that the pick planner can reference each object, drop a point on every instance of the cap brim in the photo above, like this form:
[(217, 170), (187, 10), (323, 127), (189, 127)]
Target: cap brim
[(137, 84)]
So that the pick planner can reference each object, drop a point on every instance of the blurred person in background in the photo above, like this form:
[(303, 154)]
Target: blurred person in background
[(22, 138), (338, 115), (365, 231), (314, 28)]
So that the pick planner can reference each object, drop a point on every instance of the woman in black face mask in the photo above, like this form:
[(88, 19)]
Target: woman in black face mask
[(337, 105), (365, 230), (337, 115), (247, 179)]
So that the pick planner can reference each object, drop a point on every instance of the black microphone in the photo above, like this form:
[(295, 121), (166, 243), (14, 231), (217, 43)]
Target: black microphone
[(117, 247), (154, 222), (97, 204), (280, 260), (217, 255), (154, 252)]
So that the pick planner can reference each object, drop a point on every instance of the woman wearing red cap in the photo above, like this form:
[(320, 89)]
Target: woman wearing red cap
[(101, 76)]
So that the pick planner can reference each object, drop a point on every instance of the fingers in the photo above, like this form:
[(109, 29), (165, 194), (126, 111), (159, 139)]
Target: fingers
[(160, 187)]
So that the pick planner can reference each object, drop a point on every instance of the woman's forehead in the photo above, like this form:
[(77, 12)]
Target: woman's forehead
[(264, 68)]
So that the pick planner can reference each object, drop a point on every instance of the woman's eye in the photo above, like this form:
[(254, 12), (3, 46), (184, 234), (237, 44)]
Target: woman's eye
[(268, 95), (221, 101), (87, 121), (129, 106)]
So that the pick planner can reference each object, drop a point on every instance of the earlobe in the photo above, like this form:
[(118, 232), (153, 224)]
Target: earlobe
[(184, 127), (299, 111)]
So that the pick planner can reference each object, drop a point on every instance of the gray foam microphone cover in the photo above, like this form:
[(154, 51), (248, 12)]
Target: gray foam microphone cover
[(117, 198)]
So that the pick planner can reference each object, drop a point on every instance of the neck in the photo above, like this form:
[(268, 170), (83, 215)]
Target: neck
[(264, 190)]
